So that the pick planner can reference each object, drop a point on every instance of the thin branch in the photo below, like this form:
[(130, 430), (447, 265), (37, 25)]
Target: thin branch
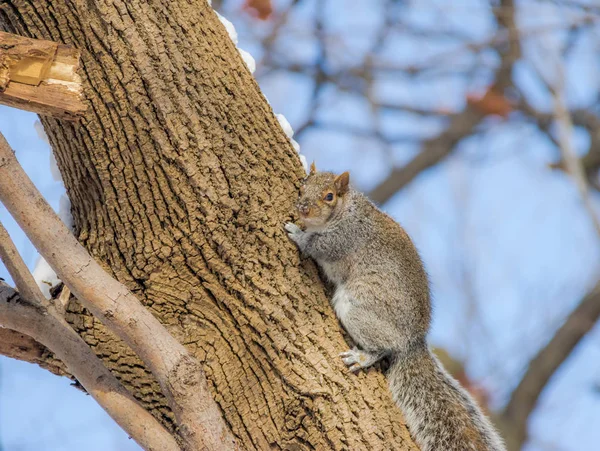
[(461, 124), (36, 317), (541, 368), (581, 118), (19, 272), (432, 152), (565, 139), (179, 374)]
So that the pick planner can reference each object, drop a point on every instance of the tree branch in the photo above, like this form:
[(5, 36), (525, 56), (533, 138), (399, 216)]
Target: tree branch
[(585, 315), (572, 162), (461, 124), (38, 318), (546, 362), (40, 76), (56, 334), (433, 151), (179, 374), (16, 345)]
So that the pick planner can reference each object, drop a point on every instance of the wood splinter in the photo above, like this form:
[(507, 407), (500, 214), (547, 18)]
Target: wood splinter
[(40, 76)]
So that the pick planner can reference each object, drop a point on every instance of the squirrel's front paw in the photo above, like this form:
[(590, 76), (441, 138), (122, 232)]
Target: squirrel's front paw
[(294, 232)]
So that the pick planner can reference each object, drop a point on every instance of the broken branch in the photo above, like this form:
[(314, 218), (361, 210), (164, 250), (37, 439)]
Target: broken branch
[(40, 76)]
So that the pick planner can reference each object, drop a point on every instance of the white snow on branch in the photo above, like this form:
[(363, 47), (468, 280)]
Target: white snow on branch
[(56, 175), (229, 27), (45, 276), (249, 60), (287, 128), (295, 145), (64, 211), (39, 128)]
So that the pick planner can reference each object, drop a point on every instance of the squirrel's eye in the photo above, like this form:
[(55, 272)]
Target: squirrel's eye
[(329, 197)]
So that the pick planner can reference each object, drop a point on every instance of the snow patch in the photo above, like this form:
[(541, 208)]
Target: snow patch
[(295, 145), (229, 27), (251, 64), (39, 128), (287, 128), (56, 175), (248, 59), (64, 211), (45, 276), (304, 163)]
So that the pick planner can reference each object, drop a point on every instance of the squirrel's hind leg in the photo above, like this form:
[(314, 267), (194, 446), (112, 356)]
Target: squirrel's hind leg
[(356, 359)]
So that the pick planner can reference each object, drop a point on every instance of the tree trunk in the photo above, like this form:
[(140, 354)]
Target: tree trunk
[(180, 180)]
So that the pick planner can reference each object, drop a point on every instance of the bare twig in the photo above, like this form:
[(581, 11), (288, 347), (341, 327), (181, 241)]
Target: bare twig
[(36, 317), (179, 374), (432, 152), (565, 139)]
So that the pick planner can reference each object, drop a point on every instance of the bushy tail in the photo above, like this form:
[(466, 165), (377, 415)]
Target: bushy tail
[(440, 414)]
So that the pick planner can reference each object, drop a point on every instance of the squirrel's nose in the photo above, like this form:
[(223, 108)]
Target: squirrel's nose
[(303, 209)]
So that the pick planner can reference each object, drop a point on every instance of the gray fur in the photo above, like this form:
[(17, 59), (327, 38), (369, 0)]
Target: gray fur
[(382, 299)]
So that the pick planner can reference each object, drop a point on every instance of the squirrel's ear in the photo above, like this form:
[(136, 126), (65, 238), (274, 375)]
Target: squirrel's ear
[(341, 182), (313, 168)]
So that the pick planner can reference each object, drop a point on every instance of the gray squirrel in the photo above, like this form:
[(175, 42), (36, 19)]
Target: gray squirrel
[(382, 299)]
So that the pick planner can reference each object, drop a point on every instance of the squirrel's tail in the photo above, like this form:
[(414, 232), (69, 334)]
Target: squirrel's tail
[(439, 413)]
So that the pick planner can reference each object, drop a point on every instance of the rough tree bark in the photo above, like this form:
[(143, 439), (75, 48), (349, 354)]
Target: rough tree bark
[(180, 179)]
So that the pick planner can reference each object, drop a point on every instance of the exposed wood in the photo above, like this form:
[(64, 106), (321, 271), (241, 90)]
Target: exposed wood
[(40, 76)]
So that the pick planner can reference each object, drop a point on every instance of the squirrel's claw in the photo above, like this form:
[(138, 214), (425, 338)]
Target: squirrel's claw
[(356, 359), (294, 232), (355, 368), (352, 359), (292, 228)]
